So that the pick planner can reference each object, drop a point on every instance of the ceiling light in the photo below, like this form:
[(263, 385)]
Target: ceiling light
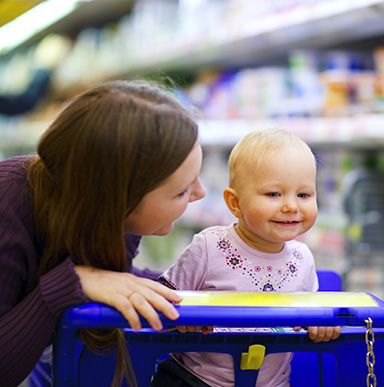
[(33, 21)]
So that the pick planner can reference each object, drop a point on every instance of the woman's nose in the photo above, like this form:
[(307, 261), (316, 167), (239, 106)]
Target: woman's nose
[(198, 191)]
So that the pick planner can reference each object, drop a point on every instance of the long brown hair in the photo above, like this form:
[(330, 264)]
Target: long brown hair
[(108, 148)]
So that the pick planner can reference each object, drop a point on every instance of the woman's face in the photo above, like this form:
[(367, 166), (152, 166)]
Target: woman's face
[(158, 210)]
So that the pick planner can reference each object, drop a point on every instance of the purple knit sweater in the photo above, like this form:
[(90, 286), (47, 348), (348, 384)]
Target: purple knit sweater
[(30, 307)]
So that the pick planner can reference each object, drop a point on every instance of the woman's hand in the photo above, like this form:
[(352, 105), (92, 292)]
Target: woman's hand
[(129, 294), (318, 334)]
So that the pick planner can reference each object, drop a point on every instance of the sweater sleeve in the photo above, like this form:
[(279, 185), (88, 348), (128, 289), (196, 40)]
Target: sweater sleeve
[(29, 306), (26, 329), (132, 250)]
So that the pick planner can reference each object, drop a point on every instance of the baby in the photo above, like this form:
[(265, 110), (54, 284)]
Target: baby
[(272, 193)]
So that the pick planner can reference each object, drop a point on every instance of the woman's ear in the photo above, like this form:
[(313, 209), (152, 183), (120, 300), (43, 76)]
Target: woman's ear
[(232, 201)]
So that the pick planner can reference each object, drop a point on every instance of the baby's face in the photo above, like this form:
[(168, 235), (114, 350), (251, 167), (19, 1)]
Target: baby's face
[(278, 199)]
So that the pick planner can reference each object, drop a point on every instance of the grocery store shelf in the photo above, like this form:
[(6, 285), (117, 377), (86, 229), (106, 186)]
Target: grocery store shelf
[(248, 36), (251, 39), (359, 131), (365, 131)]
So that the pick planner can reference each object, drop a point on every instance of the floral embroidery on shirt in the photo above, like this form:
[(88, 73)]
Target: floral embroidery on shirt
[(264, 278), (233, 261), (268, 288), (298, 255), (223, 244)]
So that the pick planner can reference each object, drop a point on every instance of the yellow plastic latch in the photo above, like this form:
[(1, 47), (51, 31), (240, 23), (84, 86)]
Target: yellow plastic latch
[(253, 359)]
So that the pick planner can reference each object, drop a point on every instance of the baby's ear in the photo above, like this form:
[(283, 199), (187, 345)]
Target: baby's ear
[(232, 201)]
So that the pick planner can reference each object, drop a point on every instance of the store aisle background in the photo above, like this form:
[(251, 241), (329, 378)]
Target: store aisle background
[(314, 67)]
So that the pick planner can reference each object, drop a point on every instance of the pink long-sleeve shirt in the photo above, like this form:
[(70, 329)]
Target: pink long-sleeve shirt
[(219, 260)]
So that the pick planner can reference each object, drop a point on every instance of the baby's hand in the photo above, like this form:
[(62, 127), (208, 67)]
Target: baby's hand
[(318, 334), (184, 329)]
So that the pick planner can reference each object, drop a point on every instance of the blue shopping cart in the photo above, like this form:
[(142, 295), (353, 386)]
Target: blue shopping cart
[(347, 361)]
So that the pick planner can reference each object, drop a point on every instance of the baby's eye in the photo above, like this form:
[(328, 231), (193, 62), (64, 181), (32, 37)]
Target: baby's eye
[(273, 194), (303, 195)]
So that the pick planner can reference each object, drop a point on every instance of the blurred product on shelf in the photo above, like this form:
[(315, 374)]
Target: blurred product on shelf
[(51, 50), (378, 57), (47, 56), (14, 104), (350, 83), (330, 84), (363, 202)]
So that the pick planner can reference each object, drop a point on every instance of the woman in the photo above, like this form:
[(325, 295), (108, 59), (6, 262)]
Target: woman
[(122, 160)]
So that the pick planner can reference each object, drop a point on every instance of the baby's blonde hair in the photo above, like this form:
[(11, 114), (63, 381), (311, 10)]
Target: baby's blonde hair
[(249, 152)]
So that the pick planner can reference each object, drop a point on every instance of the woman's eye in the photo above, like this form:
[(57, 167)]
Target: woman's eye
[(180, 195)]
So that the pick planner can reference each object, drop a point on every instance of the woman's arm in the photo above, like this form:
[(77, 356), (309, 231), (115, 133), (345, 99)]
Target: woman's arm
[(26, 328), (29, 306)]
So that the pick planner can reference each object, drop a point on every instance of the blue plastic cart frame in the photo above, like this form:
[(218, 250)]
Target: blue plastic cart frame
[(348, 367)]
